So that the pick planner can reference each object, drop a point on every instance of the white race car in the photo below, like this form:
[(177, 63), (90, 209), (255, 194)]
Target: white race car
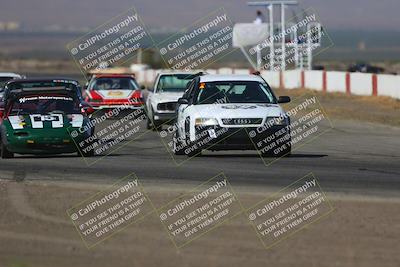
[(231, 112), (163, 97)]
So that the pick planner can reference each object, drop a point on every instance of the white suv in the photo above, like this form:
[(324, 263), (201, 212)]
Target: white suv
[(163, 97), (231, 112)]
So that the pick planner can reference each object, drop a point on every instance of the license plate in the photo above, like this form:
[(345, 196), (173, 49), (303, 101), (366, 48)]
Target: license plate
[(212, 133)]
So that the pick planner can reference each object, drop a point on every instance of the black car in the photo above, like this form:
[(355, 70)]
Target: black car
[(365, 68), (50, 83)]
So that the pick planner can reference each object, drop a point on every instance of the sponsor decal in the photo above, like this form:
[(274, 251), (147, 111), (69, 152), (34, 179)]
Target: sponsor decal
[(239, 107), (32, 98), (37, 120), (17, 122), (115, 93)]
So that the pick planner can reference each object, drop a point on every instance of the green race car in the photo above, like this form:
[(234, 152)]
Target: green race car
[(43, 121)]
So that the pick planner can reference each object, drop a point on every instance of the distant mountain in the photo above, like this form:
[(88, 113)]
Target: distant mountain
[(173, 14)]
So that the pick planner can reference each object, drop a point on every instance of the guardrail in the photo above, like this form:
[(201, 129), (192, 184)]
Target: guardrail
[(365, 84)]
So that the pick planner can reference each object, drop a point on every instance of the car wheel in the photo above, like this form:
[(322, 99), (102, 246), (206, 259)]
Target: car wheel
[(5, 154), (87, 154), (91, 152), (152, 122), (177, 144), (288, 151), (192, 150), (157, 126), (148, 123)]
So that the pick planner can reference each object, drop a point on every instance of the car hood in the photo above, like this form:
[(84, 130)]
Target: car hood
[(223, 111), (166, 97), (45, 121)]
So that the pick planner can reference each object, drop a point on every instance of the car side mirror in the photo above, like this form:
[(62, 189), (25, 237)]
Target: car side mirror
[(183, 101), (283, 99), (142, 87)]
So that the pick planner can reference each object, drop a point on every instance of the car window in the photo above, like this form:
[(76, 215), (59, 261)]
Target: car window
[(43, 104), (38, 84), (174, 82), (114, 84), (189, 89), (234, 92)]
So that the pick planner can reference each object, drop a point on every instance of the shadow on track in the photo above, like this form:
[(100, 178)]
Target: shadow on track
[(257, 156), (64, 156)]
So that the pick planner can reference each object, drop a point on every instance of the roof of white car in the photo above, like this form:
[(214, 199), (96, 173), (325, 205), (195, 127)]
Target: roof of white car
[(9, 74), (179, 72), (231, 77)]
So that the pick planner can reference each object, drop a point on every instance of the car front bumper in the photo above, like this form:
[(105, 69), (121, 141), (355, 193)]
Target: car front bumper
[(39, 144), (109, 107), (245, 138), (164, 117)]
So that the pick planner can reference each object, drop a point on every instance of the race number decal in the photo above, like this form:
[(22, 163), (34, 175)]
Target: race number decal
[(37, 120)]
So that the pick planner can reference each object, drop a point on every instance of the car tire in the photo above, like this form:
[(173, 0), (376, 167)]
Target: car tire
[(177, 143), (157, 127), (88, 154), (5, 154), (152, 124), (148, 123), (193, 152)]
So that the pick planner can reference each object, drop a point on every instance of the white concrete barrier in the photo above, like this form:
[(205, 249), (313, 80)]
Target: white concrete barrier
[(389, 85), (272, 77), (241, 71), (211, 71), (336, 81), (225, 71), (361, 83), (313, 79), (149, 76), (292, 79)]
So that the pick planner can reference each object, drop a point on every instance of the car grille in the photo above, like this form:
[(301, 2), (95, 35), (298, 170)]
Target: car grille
[(169, 106), (242, 121)]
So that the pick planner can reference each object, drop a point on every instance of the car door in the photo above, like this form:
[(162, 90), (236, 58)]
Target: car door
[(150, 96), (181, 114)]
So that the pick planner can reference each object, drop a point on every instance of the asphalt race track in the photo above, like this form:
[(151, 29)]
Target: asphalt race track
[(353, 157)]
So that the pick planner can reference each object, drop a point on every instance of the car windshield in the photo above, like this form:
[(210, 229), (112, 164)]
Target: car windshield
[(173, 82), (44, 104), (121, 83), (235, 92), (38, 84)]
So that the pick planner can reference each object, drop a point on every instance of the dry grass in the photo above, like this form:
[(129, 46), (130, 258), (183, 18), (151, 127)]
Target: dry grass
[(384, 110)]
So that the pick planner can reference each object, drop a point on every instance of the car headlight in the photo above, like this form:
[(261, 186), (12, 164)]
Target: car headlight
[(276, 121), (205, 122)]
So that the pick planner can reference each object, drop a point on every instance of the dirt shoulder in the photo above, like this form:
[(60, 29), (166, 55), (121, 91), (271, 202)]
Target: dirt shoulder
[(383, 110), (357, 233)]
